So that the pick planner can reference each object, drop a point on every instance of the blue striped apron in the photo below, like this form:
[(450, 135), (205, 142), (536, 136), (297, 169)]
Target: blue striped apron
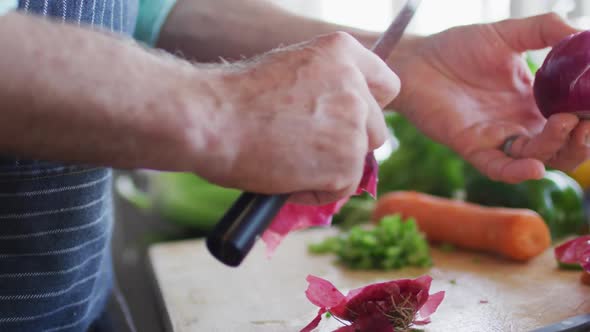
[(56, 219)]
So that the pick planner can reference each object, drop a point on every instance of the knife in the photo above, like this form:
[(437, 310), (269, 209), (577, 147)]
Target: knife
[(580, 323), (235, 234)]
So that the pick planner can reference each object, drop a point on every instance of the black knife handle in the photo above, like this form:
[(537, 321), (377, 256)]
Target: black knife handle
[(235, 234)]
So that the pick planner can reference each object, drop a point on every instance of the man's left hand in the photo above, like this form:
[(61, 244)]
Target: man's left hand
[(470, 88)]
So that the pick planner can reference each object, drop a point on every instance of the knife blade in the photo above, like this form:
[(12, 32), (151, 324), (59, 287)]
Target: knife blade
[(234, 235)]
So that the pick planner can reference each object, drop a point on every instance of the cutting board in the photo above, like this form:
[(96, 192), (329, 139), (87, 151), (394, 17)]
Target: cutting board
[(483, 292)]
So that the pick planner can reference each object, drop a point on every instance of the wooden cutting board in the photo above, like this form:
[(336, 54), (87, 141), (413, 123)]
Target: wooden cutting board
[(483, 293)]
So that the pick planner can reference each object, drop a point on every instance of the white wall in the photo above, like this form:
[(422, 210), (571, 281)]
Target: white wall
[(435, 15)]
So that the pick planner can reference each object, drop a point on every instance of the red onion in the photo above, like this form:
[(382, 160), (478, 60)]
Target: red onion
[(562, 84)]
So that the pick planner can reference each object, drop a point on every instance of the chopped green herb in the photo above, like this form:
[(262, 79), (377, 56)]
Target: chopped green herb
[(328, 314), (392, 244), (453, 281)]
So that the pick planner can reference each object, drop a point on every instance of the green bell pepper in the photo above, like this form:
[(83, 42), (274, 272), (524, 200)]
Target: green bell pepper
[(558, 198)]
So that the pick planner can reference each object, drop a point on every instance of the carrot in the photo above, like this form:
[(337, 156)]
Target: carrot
[(585, 278), (519, 234)]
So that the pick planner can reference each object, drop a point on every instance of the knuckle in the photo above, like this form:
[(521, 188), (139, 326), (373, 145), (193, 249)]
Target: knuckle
[(344, 180), (339, 38), (348, 72), (338, 183), (353, 100), (350, 165), (348, 109)]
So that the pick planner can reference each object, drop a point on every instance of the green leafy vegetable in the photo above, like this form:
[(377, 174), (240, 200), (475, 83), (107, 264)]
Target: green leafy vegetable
[(358, 210), (419, 163), (392, 244)]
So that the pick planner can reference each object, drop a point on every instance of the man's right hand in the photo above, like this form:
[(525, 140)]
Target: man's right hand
[(300, 119), (296, 120)]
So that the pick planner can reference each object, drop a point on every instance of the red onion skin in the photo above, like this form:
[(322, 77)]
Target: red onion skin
[(562, 84)]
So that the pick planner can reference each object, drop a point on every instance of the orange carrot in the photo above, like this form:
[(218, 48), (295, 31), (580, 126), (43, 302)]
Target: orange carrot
[(519, 234)]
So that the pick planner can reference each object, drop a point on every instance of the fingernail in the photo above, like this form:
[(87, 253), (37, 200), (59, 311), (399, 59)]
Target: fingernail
[(587, 140)]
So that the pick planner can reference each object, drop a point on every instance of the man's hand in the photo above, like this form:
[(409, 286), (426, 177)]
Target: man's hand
[(469, 88), (301, 119), (296, 120)]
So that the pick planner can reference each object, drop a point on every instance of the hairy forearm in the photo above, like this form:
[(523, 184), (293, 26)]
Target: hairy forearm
[(74, 95), (207, 30)]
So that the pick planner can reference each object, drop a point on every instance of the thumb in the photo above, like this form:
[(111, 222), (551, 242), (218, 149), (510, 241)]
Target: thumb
[(535, 32)]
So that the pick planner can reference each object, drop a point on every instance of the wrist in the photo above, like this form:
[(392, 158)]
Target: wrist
[(208, 125)]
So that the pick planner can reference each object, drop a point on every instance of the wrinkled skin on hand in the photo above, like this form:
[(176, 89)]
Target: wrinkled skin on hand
[(469, 88), (302, 119)]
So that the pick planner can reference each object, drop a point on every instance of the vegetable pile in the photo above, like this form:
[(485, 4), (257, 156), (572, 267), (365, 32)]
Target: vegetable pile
[(392, 244), (419, 164), (381, 307)]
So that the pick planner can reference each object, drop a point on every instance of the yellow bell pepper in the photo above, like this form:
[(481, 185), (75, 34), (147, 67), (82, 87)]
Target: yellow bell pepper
[(582, 174)]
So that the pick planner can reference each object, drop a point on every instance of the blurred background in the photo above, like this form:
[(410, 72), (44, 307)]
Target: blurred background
[(434, 15), (153, 207)]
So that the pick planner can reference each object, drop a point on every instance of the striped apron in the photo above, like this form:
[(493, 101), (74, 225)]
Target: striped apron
[(56, 219)]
